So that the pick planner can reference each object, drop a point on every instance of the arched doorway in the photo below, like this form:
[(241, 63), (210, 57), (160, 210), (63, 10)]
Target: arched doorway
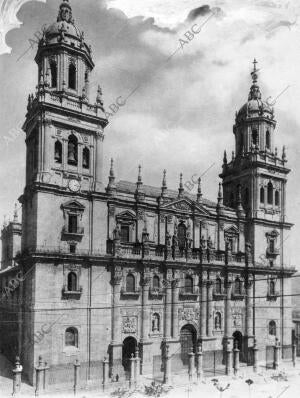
[(188, 342), (129, 348), (238, 338)]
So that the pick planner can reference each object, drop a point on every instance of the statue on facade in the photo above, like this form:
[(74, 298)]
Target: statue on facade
[(117, 232)]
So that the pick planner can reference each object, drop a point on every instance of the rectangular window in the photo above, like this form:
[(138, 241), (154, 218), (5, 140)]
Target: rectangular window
[(72, 223), (272, 246), (124, 233)]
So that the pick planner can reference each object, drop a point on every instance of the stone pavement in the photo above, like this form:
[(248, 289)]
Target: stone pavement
[(266, 384)]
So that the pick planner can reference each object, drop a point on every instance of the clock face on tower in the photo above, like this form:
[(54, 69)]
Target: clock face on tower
[(74, 185)]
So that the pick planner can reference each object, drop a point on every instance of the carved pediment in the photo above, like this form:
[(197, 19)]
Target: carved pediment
[(126, 216), (185, 205), (233, 230), (73, 205)]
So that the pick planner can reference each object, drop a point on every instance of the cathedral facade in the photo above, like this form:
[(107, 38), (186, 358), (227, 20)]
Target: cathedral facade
[(108, 268)]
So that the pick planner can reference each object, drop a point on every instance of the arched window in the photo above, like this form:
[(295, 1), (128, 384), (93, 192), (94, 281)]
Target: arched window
[(72, 282), (155, 282), (53, 69), (237, 286), (130, 283), (272, 328), (58, 152), (71, 337), (268, 141), (218, 321), (86, 158), (272, 288), (254, 137), (262, 195), (155, 322), (188, 284), (277, 198), (72, 150), (218, 286), (72, 76), (270, 193)]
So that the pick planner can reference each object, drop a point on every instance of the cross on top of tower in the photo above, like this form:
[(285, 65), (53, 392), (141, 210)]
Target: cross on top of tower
[(254, 73)]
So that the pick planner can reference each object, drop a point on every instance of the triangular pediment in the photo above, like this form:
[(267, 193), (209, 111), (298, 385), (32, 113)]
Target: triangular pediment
[(185, 205), (232, 230), (126, 215), (73, 204)]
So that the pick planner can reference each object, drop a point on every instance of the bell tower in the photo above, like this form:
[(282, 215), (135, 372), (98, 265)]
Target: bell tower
[(64, 129), (257, 172)]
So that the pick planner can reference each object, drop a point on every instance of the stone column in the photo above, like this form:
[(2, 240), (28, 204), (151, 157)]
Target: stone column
[(175, 295), (191, 365), (145, 343), (168, 306), (209, 315), (276, 354), (145, 310), (228, 359), (203, 307), (17, 377), (99, 161), (249, 321), (131, 370), (294, 353), (199, 362), (228, 319), (48, 150), (167, 366), (137, 367), (76, 376), (105, 380), (116, 344), (255, 357), (236, 358)]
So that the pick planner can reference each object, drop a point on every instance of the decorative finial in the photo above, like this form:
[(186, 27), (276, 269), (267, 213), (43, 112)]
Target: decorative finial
[(254, 90), (283, 153), (139, 194), (181, 189), (240, 209), (164, 184), (5, 221), (225, 158), (99, 100), (111, 187), (199, 192), (220, 194), (16, 213)]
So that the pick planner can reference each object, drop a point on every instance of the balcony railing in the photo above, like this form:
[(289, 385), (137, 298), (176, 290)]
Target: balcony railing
[(272, 296), (69, 294), (219, 294), (189, 294), (156, 293), (79, 231), (132, 294)]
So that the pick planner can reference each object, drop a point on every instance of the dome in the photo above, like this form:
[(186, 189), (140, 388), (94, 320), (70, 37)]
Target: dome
[(255, 107), (60, 26)]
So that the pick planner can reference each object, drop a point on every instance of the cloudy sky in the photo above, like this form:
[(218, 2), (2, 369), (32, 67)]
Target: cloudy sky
[(181, 114)]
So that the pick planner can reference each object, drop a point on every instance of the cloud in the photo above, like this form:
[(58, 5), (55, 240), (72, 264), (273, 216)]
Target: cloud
[(9, 20)]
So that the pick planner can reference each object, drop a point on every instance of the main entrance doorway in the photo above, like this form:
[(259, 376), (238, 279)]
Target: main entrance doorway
[(129, 348), (188, 342)]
